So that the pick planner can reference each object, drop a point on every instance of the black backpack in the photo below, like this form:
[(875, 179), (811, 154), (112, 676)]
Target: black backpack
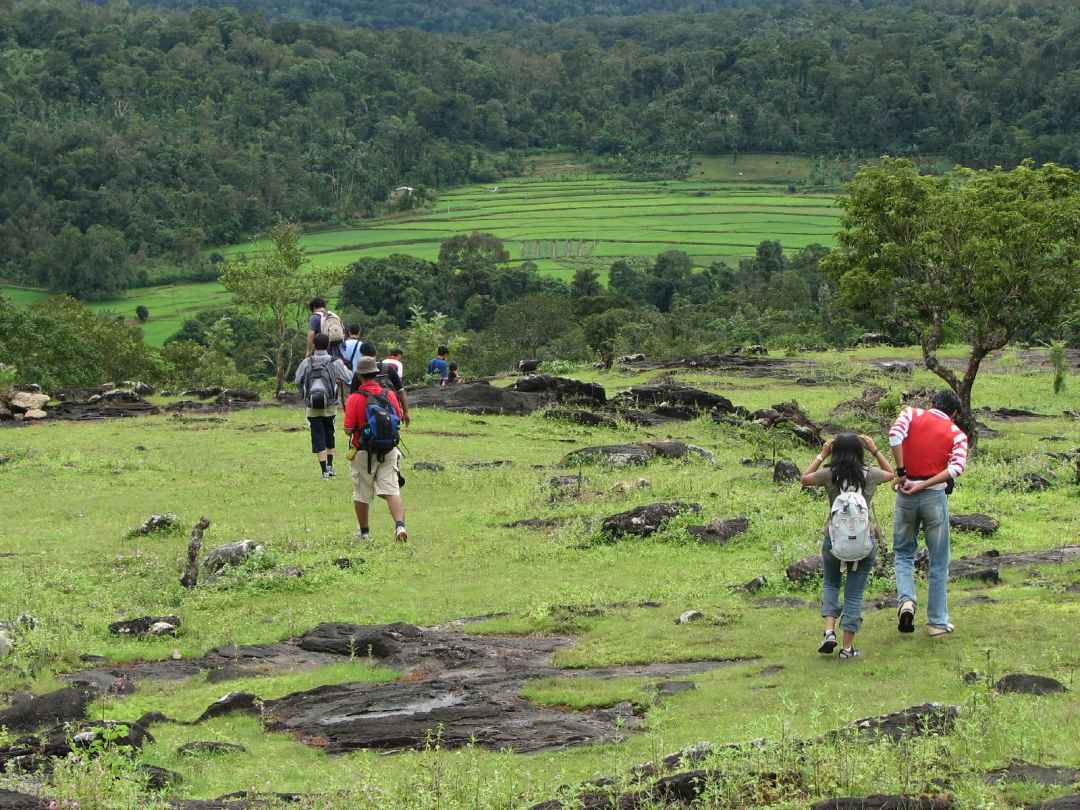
[(320, 383)]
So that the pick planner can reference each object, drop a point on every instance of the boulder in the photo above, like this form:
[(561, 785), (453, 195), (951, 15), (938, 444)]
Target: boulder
[(528, 366), (1024, 684), (560, 389), (805, 569), (886, 802), (754, 585), (478, 398), (208, 392), (625, 487), (115, 395), (23, 401), (158, 778), (630, 358), (645, 520), (586, 418), (156, 523), (757, 350), (31, 712), (232, 702), (146, 625), (896, 367), (13, 800), (35, 415), (140, 388), (231, 395), (377, 640), (983, 524), (1020, 771), (230, 554), (785, 472), (720, 531), (1029, 482), (198, 747), (614, 455), (689, 616), (428, 466), (1071, 802), (916, 721), (674, 401)]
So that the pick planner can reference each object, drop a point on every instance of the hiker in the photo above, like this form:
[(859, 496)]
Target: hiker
[(452, 376), (395, 359), (388, 377), (439, 367), (320, 377), (931, 453), (372, 420), (350, 349), (850, 543), (325, 322)]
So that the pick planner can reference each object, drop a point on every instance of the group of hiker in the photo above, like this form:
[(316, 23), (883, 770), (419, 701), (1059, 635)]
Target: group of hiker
[(929, 449), (930, 452), (341, 369)]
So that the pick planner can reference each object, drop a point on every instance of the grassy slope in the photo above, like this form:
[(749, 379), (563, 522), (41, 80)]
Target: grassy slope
[(77, 571)]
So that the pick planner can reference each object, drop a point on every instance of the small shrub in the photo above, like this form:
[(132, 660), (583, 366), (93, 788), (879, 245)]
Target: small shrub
[(142, 313)]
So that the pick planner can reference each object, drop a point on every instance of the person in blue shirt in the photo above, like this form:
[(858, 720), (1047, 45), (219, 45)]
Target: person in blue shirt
[(439, 366)]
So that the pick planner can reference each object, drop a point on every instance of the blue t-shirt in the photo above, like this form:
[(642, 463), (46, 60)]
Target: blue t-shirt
[(350, 352), (440, 367)]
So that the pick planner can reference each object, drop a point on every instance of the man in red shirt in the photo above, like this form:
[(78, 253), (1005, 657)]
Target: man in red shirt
[(375, 476), (930, 451)]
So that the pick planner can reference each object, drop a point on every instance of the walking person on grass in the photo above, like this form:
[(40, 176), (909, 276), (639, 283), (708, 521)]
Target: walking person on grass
[(320, 377), (849, 548), (372, 420), (931, 453)]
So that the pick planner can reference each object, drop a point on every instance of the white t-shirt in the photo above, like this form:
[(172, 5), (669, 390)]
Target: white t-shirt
[(350, 352), (390, 361)]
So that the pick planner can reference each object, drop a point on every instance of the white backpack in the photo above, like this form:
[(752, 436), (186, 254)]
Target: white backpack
[(331, 326), (849, 528)]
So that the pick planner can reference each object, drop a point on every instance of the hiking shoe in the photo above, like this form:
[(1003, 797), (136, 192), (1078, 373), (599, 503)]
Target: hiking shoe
[(401, 535), (849, 653), (330, 472), (905, 616), (938, 630), (362, 536), (327, 475), (828, 643)]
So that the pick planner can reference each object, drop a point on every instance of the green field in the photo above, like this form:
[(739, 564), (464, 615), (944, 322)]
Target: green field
[(720, 214), (78, 489)]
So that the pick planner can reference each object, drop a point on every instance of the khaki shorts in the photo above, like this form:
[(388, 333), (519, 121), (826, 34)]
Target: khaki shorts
[(381, 481)]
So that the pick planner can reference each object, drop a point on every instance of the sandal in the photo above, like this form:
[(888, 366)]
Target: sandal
[(905, 616), (848, 653), (829, 643)]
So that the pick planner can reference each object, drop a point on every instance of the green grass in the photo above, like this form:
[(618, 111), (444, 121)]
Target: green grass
[(77, 490)]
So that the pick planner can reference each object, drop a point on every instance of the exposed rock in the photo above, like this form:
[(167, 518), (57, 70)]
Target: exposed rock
[(230, 554), (897, 367), (480, 398), (785, 472), (115, 395), (537, 523), (887, 802), (1029, 482), (688, 616), (380, 640), (674, 401), (625, 487), (645, 520), (805, 569), (6, 413), (986, 565), (720, 531), (929, 718), (528, 366), (232, 702), (560, 389), (156, 523), (757, 349), (428, 466), (782, 602), (101, 409), (1071, 802), (290, 571), (153, 718), (157, 778), (31, 712), (630, 358), (35, 415), (626, 455), (208, 392), (669, 688), (586, 418), (487, 465), (12, 800), (231, 395), (198, 747), (1023, 684), (754, 585), (983, 524), (23, 401), (1020, 771)]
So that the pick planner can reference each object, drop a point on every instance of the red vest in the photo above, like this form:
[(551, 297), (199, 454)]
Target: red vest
[(929, 445)]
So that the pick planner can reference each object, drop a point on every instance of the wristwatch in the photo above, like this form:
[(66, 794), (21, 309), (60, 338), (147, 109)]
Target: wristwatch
[(901, 472)]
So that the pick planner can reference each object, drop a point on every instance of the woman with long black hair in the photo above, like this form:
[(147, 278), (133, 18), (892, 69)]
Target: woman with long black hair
[(847, 472)]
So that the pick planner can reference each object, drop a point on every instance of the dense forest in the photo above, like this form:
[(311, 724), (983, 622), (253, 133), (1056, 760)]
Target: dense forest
[(129, 135)]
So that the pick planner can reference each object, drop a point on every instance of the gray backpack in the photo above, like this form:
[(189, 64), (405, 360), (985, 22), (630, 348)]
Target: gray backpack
[(320, 383), (849, 528)]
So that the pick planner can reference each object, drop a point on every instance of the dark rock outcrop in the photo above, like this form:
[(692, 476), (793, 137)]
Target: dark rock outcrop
[(720, 531), (983, 524), (428, 466), (380, 640), (156, 523), (561, 389), (626, 455), (212, 747), (586, 418), (1029, 482), (1019, 771), (13, 800), (229, 554), (805, 569), (1023, 684), (230, 703), (31, 712), (673, 401), (145, 625), (478, 398), (785, 472), (645, 520), (916, 721), (887, 802), (789, 416)]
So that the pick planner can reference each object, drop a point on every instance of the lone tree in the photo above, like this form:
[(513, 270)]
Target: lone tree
[(142, 313), (990, 254), (276, 289)]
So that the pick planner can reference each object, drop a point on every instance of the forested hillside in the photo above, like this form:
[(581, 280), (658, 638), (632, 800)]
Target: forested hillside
[(128, 134)]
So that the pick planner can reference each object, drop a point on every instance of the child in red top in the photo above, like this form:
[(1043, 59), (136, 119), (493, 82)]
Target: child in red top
[(373, 477)]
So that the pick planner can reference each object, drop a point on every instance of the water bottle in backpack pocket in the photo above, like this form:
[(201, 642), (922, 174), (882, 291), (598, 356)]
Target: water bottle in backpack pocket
[(849, 528), (382, 427)]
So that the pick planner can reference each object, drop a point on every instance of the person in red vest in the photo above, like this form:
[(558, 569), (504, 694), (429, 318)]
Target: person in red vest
[(931, 452)]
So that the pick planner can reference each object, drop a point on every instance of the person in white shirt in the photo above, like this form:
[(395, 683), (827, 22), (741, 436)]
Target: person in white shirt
[(394, 359)]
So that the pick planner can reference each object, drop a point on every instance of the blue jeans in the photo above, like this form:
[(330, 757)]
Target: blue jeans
[(851, 615), (927, 510)]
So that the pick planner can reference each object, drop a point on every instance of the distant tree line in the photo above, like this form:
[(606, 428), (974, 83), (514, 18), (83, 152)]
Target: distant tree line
[(129, 135)]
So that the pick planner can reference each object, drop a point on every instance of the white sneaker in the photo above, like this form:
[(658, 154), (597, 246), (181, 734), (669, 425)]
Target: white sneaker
[(401, 535), (938, 630), (361, 536)]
